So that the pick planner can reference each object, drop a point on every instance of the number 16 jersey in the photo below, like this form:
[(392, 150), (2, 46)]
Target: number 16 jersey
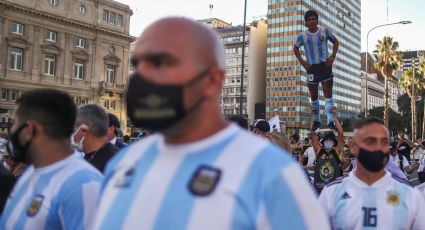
[(386, 204)]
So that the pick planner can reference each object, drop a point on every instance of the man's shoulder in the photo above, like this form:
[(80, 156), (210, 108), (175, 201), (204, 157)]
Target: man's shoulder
[(127, 154), (79, 169), (401, 182)]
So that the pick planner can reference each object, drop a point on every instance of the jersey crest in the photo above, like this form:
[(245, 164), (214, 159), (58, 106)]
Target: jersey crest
[(35, 205)]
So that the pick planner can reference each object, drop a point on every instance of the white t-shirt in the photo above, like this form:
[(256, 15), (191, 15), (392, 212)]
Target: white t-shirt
[(421, 188), (386, 204), (420, 155), (309, 152), (396, 160)]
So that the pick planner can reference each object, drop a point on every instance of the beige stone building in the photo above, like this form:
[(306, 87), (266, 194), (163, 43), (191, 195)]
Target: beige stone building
[(79, 46)]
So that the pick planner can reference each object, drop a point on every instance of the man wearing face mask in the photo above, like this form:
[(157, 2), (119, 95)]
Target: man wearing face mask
[(59, 189), (91, 136), (197, 171), (369, 197), (328, 150)]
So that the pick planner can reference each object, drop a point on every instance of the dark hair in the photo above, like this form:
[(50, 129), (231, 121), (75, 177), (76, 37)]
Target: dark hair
[(126, 138), (296, 137), (95, 118), (53, 109), (240, 120), (367, 121), (310, 13), (306, 139), (113, 121)]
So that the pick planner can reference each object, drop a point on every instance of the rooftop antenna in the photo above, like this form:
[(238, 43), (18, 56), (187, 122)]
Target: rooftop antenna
[(211, 8)]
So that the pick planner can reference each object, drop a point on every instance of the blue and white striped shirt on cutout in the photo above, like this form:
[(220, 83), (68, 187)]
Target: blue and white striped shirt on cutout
[(149, 186), (315, 44), (63, 195)]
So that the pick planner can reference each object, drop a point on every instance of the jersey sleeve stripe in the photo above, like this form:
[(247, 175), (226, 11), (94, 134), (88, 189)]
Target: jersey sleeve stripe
[(118, 211), (312, 213)]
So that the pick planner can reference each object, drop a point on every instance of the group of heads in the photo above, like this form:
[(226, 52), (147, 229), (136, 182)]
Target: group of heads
[(46, 116), (176, 84)]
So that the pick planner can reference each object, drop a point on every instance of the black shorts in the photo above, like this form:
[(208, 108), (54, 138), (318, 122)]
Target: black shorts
[(317, 73)]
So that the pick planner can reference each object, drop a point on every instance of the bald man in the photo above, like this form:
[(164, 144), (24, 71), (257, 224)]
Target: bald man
[(196, 171), (369, 197)]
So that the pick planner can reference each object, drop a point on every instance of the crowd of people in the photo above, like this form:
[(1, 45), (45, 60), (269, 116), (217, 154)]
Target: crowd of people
[(68, 169)]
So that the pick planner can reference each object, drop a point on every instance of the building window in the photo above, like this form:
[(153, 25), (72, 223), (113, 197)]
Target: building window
[(14, 96), (110, 73), (106, 104), (83, 9), (17, 28), (105, 15), (53, 2), (84, 101), (119, 20), (49, 64), (111, 18), (79, 69), (80, 42), (112, 105), (5, 95), (51, 36), (16, 58)]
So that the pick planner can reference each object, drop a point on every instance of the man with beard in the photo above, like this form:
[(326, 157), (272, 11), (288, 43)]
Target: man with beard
[(59, 190), (369, 197)]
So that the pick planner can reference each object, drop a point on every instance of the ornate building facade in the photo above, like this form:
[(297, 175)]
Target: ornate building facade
[(78, 46)]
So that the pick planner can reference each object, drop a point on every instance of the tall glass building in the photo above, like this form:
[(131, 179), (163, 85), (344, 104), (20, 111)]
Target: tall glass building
[(287, 94)]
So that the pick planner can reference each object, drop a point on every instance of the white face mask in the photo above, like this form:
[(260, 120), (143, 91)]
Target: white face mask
[(328, 144), (77, 146)]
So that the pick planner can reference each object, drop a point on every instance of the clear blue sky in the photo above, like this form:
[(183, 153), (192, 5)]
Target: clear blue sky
[(374, 12)]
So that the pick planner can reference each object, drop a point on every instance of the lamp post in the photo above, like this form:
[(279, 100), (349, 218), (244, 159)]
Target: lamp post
[(243, 60), (367, 54)]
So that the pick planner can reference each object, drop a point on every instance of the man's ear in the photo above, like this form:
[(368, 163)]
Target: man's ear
[(215, 83)]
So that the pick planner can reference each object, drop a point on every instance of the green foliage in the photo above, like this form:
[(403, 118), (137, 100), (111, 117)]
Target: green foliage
[(395, 119)]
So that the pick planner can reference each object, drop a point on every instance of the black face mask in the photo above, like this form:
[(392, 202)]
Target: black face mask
[(16, 150), (157, 106), (373, 161)]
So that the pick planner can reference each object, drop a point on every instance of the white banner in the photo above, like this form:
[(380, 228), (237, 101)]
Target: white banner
[(274, 123)]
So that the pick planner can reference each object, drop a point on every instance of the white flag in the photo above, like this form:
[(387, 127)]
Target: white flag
[(274, 123)]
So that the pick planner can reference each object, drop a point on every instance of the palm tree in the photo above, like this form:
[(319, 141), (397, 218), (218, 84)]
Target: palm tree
[(412, 84), (388, 60), (422, 74)]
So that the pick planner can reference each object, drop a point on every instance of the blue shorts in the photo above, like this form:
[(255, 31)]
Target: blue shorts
[(317, 73)]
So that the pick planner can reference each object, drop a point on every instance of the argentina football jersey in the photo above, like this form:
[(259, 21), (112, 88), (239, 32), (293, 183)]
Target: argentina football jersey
[(230, 180), (315, 44), (59, 196), (386, 204)]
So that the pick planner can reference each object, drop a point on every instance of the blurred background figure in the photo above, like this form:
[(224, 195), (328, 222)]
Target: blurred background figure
[(239, 120), (296, 147), (126, 139), (261, 128), (114, 130), (91, 136), (279, 139)]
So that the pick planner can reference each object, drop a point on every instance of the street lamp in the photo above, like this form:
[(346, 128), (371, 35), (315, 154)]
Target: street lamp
[(243, 60), (367, 54)]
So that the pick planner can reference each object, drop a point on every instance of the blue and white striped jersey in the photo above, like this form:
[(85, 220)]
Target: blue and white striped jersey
[(63, 195), (315, 44), (386, 204), (230, 180)]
